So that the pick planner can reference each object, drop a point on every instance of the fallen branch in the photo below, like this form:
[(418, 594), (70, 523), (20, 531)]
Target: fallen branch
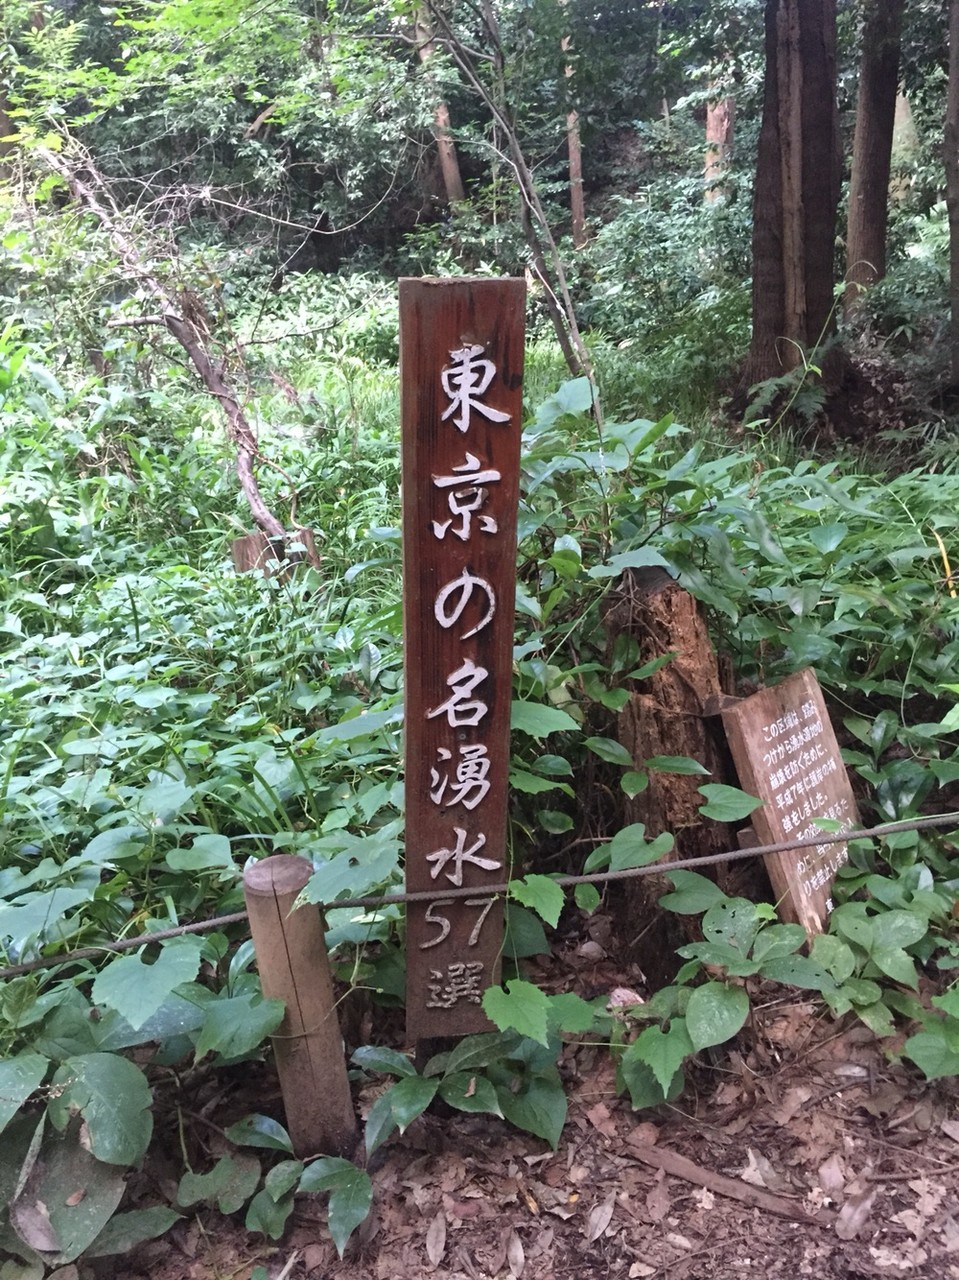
[(182, 314), (681, 1167)]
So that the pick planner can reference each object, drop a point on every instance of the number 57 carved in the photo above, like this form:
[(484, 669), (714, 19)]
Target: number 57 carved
[(442, 922)]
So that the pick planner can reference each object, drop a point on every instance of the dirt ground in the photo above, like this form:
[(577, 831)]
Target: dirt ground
[(804, 1152)]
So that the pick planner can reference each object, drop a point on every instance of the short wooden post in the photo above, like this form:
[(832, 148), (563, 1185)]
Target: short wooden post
[(294, 967)]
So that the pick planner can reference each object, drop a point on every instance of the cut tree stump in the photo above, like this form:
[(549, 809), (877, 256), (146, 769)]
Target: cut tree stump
[(671, 713), (257, 551)]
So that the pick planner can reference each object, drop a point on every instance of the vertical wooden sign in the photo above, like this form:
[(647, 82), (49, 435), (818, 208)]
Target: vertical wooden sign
[(461, 369), (786, 753)]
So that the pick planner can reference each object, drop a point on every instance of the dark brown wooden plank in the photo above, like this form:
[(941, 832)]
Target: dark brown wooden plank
[(786, 753), (461, 363)]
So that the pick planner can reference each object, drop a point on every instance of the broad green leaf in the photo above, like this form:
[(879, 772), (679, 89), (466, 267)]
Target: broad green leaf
[(948, 1001), (895, 929), (539, 1108), (715, 1013), (229, 1184), (726, 804), (63, 1167), (797, 971), (208, 852), (931, 1053), (380, 1123), (125, 1231), (531, 783), (571, 1013), (385, 1061), (522, 1007), (610, 750), (722, 954), (634, 783), (896, 964), (835, 956), (554, 821), (693, 893), (351, 1195), (283, 1177), (137, 989), (524, 933), (361, 726), (641, 558), (268, 1216), (468, 1092), (260, 1131), (644, 1089), (677, 764), (19, 1077), (734, 921), (630, 848), (235, 1025), (409, 1098), (778, 940), (663, 1051), (113, 1096), (540, 894), (877, 1017), (587, 897), (827, 537), (476, 1051), (539, 720)]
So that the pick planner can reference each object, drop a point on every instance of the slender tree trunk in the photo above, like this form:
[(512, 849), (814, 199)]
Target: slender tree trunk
[(577, 205), (797, 189), (951, 147), (445, 146), (872, 147), (720, 122), (6, 127)]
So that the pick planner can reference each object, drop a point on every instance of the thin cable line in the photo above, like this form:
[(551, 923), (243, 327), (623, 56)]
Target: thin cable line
[(428, 895)]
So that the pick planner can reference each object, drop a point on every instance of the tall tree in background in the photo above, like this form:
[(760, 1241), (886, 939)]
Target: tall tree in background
[(951, 156), (720, 122), (797, 188), (872, 146), (445, 146)]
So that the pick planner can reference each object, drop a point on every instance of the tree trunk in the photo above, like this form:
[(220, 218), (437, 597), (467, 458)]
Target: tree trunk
[(797, 188), (872, 148), (720, 121), (577, 205), (445, 146), (6, 127), (671, 713), (951, 149)]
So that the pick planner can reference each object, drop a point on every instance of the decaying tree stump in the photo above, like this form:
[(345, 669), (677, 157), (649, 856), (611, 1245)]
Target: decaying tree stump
[(671, 713), (257, 551)]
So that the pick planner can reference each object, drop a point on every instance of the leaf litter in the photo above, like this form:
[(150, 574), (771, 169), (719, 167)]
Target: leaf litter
[(807, 1151)]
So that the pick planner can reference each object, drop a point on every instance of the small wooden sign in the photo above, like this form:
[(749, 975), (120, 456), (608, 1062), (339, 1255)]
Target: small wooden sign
[(461, 369), (786, 754)]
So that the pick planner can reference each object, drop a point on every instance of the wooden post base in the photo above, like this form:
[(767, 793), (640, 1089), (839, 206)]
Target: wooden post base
[(294, 967)]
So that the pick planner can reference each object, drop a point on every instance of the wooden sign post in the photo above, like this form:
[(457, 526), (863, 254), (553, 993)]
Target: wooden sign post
[(786, 753), (461, 363)]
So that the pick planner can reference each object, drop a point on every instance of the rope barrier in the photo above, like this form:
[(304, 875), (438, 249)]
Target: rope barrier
[(429, 895)]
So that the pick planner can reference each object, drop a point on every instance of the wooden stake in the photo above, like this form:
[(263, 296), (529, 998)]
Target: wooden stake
[(294, 967)]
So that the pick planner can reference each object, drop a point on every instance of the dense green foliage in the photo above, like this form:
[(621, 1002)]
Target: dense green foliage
[(164, 719)]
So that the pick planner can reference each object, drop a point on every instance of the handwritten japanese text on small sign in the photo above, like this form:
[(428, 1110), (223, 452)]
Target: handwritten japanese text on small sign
[(786, 753)]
